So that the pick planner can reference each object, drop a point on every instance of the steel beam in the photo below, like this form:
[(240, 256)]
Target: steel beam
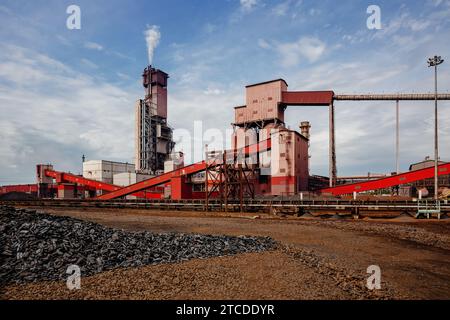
[(391, 97)]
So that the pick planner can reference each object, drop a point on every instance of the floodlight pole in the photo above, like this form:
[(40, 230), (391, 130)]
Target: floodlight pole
[(434, 62)]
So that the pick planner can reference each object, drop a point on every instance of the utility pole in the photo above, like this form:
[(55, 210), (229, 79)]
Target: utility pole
[(434, 62)]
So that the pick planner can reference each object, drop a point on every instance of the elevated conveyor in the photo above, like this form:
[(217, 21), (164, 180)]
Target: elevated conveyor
[(387, 182), (185, 171), (62, 177)]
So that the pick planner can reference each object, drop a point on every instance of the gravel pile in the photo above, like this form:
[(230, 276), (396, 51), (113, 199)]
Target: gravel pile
[(36, 246)]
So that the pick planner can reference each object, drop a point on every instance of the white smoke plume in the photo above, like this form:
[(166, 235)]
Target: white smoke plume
[(152, 36)]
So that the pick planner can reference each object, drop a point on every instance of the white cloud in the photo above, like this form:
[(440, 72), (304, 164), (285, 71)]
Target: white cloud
[(212, 91), (93, 46), (281, 9), (248, 5), (403, 22), (210, 28), (123, 76), (313, 12), (263, 44), (61, 115), (307, 47), (5, 10), (63, 40), (88, 63), (435, 2)]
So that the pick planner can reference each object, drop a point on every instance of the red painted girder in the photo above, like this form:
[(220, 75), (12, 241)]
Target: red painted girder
[(166, 177), (387, 182), (307, 98), (71, 178)]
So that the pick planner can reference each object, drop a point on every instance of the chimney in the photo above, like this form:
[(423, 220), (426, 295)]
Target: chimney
[(304, 129)]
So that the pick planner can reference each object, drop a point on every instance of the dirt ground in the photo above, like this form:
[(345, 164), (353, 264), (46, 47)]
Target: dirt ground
[(316, 259)]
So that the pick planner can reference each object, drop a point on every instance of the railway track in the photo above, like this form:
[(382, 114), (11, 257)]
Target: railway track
[(293, 207)]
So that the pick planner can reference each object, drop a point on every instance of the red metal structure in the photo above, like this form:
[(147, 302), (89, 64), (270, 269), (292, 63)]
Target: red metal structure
[(25, 188), (62, 177), (185, 171), (307, 98), (387, 182), (152, 182)]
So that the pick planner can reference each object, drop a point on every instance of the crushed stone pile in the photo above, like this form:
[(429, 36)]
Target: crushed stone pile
[(35, 246)]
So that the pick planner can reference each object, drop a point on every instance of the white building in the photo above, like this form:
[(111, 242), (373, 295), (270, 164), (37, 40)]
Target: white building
[(103, 170), (126, 178)]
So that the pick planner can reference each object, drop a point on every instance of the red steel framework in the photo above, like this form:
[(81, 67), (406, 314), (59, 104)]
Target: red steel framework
[(61, 177), (230, 175), (185, 171), (222, 184), (314, 98), (387, 182)]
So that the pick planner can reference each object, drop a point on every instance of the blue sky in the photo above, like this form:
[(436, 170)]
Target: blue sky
[(64, 93)]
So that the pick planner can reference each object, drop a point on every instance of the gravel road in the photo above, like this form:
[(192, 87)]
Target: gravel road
[(315, 259)]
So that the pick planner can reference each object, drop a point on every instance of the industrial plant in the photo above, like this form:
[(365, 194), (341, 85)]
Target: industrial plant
[(316, 167), (267, 160)]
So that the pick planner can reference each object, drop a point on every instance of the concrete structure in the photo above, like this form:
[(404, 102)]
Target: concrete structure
[(176, 161), (124, 179), (127, 178), (103, 170), (70, 191), (153, 137)]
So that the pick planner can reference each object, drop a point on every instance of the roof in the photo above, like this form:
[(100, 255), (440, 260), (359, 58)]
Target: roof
[(294, 131), (265, 82), (426, 163)]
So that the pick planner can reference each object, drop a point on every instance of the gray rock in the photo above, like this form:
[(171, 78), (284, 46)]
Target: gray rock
[(35, 246)]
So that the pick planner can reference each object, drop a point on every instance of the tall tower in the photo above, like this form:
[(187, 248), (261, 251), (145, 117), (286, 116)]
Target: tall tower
[(153, 137)]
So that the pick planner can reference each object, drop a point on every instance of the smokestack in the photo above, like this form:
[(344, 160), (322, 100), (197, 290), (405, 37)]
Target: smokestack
[(304, 129), (152, 36)]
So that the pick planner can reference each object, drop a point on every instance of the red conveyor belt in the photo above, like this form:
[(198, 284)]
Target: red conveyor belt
[(98, 185), (387, 182), (188, 170)]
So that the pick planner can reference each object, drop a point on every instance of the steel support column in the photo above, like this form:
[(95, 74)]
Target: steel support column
[(436, 142), (397, 137), (332, 147)]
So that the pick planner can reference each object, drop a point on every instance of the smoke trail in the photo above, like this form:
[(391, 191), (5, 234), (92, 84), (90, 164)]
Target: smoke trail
[(152, 36)]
